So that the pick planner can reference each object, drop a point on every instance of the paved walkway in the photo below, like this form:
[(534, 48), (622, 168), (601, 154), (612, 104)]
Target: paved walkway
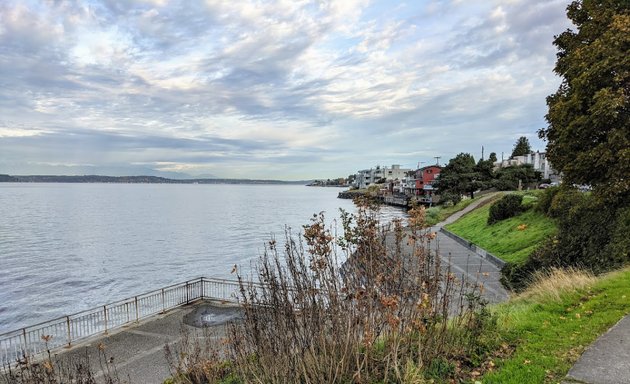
[(465, 262)]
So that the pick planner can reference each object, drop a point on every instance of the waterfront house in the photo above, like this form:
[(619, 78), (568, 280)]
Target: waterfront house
[(425, 178), (378, 175)]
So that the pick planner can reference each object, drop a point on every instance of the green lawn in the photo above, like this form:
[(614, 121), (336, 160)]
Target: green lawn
[(504, 239), (439, 213), (549, 334)]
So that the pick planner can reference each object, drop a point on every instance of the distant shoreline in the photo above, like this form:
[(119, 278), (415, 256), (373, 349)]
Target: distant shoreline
[(137, 180)]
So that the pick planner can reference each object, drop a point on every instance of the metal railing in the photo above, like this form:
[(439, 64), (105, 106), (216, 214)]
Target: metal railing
[(68, 330)]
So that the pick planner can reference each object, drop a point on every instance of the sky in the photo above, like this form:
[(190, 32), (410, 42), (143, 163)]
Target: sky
[(289, 90)]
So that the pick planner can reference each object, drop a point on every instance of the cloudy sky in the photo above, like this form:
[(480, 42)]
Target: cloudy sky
[(269, 89)]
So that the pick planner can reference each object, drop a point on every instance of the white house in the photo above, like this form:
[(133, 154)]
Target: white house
[(538, 160)]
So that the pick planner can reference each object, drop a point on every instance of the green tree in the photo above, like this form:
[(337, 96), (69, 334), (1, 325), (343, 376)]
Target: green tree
[(485, 168), (521, 147), (460, 176), (507, 179), (588, 130), (588, 140)]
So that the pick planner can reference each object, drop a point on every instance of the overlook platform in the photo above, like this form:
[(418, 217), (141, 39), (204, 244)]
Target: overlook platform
[(138, 350)]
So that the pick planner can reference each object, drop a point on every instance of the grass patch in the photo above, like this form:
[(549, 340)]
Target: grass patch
[(550, 331), (438, 214), (513, 239)]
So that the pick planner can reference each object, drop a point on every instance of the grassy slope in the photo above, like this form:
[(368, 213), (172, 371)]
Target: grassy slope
[(503, 239), (437, 214), (550, 335)]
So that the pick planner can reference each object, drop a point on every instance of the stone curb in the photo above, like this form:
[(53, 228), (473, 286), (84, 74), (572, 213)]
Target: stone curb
[(478, 250)]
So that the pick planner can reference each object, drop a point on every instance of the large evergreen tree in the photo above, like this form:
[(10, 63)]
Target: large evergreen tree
[(588, 130), (521, 147)]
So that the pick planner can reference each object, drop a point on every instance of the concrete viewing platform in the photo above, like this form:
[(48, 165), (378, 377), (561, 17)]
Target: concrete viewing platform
[(138, 350)]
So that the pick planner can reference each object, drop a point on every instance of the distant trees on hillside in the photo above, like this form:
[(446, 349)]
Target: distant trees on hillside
[(462, 176)]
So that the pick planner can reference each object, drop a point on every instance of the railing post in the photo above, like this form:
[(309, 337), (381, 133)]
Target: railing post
[(202, 293), (25, 351), (137, 310), (187, 300), (163, 307), (105, 316), (69, 332)]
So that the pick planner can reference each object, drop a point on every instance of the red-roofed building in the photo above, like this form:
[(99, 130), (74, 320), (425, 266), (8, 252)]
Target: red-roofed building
[(425, 177)]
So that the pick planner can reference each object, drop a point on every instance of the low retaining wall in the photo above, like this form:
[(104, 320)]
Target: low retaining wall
[(475, 248)]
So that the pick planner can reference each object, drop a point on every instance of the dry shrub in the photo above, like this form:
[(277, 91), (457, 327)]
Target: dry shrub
[(386, 314), (551, 284), (197, 357), (58, 370)]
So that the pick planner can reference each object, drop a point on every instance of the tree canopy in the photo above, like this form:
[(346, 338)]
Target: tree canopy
[(588, 130), (460, 176), (521, 147), (509, 178)]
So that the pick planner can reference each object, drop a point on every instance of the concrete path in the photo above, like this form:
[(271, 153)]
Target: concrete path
[(467, 263), (472, 267), (607, 360), (138, 351)]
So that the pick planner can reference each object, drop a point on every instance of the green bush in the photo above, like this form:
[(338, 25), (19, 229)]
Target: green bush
[(619, 246), (544, 200), (432, 215), (565, 203), (508, 206)]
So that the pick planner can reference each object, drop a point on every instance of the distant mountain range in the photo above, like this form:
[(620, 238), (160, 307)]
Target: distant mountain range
[(136, 180)]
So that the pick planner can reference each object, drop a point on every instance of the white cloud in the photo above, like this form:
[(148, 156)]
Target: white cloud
[(249, 83)]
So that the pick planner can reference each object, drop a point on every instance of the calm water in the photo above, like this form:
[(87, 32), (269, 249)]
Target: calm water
[(69, 247)]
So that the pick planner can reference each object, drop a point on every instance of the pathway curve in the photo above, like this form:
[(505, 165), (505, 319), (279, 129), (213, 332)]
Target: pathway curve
[(455, 216)]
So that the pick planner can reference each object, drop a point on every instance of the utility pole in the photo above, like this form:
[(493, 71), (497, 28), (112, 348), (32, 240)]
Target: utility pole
[(482, 153), (420, 163), (437, 160)]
